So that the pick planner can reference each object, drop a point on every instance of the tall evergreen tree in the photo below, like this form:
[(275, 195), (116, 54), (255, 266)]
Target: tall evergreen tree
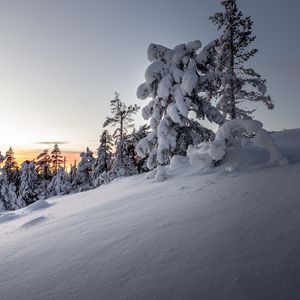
[(83, 179), (191, 134), (122, 120), (2, 158), (43, 169), (238, 83), (56, 159), (2, 206), (10, 182), (29, 182), (60, 184), (10, 168), (104, 155), (140, 163), (177, 80), (73, 173), (121, 116)]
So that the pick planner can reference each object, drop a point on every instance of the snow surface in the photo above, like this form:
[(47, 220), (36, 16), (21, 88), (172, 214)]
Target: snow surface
[(230, 233), (229, 134)]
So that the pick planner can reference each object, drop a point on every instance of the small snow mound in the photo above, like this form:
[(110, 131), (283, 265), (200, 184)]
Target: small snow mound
[(229, 169), (33, 222), (178, 161), (198, 156), (41, 204), (161, 174), (151, 174), (264, 139), (231, 134), (8, 217)]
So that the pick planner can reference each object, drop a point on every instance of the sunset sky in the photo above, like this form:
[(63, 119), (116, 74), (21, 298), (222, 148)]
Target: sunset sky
[(62, 60)]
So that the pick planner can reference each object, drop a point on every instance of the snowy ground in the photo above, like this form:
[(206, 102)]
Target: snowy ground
[(233, 233)]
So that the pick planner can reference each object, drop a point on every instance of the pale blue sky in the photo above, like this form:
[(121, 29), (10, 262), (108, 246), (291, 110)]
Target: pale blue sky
[(62, 60)]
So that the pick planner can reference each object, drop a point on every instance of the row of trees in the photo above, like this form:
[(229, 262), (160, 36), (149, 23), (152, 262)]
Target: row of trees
[(46, 176), (186, 84)]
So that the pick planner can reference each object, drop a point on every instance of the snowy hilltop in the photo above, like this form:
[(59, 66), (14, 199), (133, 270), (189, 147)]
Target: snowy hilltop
[(228, 232)]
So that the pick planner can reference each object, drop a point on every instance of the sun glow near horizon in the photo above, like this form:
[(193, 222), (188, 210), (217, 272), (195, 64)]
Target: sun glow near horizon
[(31, 154)]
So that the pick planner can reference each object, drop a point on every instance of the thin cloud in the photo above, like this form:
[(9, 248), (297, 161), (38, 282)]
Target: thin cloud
[(52, 143), (84, 103)]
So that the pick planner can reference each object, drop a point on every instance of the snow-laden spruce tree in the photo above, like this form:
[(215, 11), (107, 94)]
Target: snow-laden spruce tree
[(10, 182), (60, 184), (10, 170), (134, 164), (56, 159), (83, 179), (43, 169), (137, 135), (238, 83), (72, 174), (10, 197), (2, 158), (179, 81), (122, 120), (29, 183), (104, 155), (189, 135)]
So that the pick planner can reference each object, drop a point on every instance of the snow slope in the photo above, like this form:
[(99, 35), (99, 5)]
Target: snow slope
[(231, 233)]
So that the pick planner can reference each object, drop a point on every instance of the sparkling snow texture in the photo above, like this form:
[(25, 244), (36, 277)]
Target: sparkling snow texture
[(230, 233)]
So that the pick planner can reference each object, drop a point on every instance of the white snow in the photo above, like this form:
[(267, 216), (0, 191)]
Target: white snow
[(230, 233), (231, 134), (189, 78), (154, 72)]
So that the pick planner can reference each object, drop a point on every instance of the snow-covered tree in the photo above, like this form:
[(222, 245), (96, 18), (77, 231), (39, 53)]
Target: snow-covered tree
[(29, 183), (2, 204), (10, 182), (56, 159), (104, 155), (43, 169), (2, 158), (191, 134), (178, 81), (60, 184), (140, 163), (129, 156), (84, 179), (10, 197), (122, 116), (238, 83), (122, 120), (72, 174), (10, 168)]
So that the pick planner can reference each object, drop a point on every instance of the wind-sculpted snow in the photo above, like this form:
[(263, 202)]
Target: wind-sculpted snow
[(33, 222), (233, 133), (41, 204), (231, 232)]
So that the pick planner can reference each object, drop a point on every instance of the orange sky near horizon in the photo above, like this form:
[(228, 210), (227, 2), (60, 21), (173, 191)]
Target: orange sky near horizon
[(22, 155)]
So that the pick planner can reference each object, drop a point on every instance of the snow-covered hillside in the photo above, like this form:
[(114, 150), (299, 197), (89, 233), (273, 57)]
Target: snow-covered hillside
[(231, 233)]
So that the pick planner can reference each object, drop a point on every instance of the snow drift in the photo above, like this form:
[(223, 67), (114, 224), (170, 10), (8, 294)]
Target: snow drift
[(228, 233)]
